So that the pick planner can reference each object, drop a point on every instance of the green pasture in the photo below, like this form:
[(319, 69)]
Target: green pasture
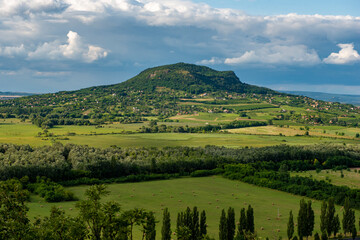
[(198, 139), (292, 130), (211, 194), (113, 134), (206, 117), (350, 178)]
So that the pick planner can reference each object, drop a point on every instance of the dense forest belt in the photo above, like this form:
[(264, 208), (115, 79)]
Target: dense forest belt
[(69, 162)]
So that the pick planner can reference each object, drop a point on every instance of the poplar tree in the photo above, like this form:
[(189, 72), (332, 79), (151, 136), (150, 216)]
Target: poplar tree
[(336, 225), (231, 223), (330, 217), (323, 220), (310, 219), (187, 218), (242, 222), (223, 226), (348, 220), (179, 221), (166, 227), (250, 226), (306, 219), (290, 226), (195, 226), (203, 230)]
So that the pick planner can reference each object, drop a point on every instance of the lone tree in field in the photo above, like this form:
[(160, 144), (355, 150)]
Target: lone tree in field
[(231, 223), (348, 220), (290, 226), (166, 227), (306, 219), (223, 230)]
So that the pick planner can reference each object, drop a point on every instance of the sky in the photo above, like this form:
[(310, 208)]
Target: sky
[(55, 45)]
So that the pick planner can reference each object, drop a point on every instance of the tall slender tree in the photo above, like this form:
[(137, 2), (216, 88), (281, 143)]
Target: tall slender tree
[(242, 223), (310, 219), (203, 230), (223, 226), (231, 223), (323, 220), (290, 226), (250, 220), (195, 226), (336, 225), (306, 219), (330, 217), (348, 220), (166, 227)]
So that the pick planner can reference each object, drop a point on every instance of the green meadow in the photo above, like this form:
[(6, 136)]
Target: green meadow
[(350, 178), (211, 194), (125, 135)]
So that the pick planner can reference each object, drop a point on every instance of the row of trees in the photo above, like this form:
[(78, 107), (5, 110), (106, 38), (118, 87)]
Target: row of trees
[(106, 220), (329, 223), (155, 128), (245, 226), (69, 162)]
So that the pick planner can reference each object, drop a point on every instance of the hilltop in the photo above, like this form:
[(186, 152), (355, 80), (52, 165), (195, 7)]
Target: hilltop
[(190, 78), (167, 91)]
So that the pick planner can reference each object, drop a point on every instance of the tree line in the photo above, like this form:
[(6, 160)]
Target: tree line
[(70, 162), (97, 220), (155, 128)]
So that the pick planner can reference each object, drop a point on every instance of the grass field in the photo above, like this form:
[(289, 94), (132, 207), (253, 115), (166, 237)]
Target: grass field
[(350, 179), (13, 131), (318, 131), (211, 194)]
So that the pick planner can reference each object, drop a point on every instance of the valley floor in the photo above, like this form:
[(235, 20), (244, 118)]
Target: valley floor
[(211, 194)]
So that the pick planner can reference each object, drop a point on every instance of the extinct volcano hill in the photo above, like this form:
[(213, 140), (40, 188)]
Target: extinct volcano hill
[(185, 77)]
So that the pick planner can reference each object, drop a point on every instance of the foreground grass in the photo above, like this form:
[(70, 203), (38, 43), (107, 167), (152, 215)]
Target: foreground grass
[(350, 178), (211, 194)]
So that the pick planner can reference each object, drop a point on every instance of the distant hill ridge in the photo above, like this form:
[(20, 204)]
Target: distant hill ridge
[(329, 97), (189, 78)]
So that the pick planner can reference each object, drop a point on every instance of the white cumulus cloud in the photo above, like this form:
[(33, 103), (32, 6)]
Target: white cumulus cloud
[(346, 55), (73, 49), (213, 60), (298, 54), (11, 51), (28, 7)]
